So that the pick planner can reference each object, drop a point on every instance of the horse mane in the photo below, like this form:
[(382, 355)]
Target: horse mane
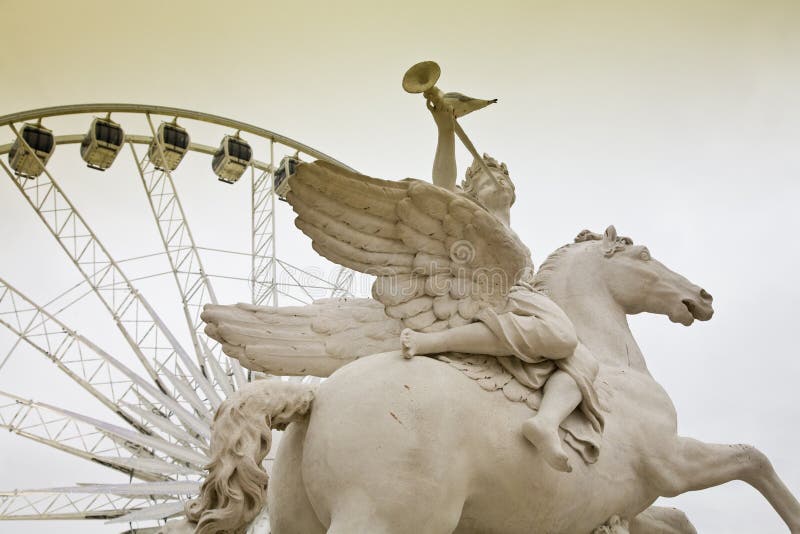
[(543, 276)]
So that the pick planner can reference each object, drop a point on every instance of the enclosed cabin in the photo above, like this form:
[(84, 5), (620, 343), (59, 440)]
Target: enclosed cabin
[(102, 143), (232, 158), (283, 175), (30, 163), (173, 141)]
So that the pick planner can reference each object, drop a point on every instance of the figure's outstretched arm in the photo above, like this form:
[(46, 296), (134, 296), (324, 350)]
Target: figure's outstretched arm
[(444, 163)]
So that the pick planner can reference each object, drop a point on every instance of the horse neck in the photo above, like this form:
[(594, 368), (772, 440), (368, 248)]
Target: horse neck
[(601, 323)]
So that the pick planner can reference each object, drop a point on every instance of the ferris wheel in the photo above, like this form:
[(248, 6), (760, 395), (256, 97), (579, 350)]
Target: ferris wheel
[(161, 390)]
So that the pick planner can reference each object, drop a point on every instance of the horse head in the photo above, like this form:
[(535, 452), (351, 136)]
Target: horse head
[(611, 265)]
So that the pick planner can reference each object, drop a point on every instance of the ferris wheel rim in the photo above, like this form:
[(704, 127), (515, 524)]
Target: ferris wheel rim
[(78, 109)]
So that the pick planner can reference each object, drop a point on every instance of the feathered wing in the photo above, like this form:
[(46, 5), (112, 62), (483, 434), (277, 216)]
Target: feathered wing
[(314, 340), (438, 256)]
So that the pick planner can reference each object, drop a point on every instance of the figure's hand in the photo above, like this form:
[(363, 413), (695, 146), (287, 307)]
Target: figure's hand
[(442, 114)]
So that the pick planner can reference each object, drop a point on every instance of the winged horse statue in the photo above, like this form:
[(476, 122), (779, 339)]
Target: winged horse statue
[(391, 444)]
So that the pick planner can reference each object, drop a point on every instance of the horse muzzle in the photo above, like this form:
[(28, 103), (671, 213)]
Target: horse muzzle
[(701, 306)]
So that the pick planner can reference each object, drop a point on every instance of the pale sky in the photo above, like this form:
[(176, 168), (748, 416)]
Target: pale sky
[(678, 122)]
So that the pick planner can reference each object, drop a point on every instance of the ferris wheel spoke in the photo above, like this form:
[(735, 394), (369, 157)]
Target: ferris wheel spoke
[(141, 327), (171, 488), (99, 373), (344, 282), (152, 445), (193, 284), (200, 407), (82, 502), (263, 272), (168, 427), (73, 355), (68, 434), (219, 374), (154, 512)]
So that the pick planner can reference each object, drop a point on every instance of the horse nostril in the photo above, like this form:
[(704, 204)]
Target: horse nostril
[(705, 295)]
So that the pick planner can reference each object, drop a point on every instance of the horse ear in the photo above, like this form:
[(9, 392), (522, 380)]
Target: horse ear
[(610, 236)]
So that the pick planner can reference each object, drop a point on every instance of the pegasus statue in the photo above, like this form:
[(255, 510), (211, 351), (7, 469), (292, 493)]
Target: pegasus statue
[(469, 395)]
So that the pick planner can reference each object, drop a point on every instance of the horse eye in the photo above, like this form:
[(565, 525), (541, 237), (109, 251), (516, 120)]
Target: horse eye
[(645, 255)]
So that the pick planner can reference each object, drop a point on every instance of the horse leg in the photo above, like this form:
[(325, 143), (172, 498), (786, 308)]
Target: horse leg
[(692, 465), (661, 520), (290, 511)]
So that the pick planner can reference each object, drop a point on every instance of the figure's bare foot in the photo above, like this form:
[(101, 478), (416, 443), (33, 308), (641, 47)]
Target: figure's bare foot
[(408, 339), (546, 439)]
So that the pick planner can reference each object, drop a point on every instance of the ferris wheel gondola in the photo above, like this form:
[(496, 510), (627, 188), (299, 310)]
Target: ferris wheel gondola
[(232, 158), (170, 145), (102, 143), (283, 175), (29, 161)]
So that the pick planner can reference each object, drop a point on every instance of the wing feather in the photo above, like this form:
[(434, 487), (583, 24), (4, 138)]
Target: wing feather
[(445, 307), (438, 284), (430, 199), (419, 241), (358, 219), (429, 265), (423, 223), (358, 266), (358, 253), (374, 196), (341, 231), (410, 308), (394, 290), (438, 326), (352, 175), (307, 340), (420, 321)]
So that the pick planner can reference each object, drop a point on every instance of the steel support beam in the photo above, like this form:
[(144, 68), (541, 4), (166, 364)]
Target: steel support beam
[(263, 274)]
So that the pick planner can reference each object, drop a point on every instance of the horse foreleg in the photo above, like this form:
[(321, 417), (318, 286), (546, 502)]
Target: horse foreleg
[(692, 465), (661, 520)]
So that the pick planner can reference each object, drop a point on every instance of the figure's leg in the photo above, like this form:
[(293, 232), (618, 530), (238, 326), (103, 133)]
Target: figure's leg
[(561, 396), (474, 338), (661, 520), (692, 465)]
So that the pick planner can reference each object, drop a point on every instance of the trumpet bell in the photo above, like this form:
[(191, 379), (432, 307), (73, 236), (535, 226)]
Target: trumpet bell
[(421, 77)]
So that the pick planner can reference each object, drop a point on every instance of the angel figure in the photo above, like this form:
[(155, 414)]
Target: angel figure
[(451, 277)]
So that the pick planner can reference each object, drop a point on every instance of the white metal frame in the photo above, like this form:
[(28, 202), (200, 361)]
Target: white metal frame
[(166, 438), (263, 273)]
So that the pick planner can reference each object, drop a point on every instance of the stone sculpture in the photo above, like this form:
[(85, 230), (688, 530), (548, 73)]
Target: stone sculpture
[(437, 444)]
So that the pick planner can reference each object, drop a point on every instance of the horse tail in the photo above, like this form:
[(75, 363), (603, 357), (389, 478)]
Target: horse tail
[(234, 491)]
